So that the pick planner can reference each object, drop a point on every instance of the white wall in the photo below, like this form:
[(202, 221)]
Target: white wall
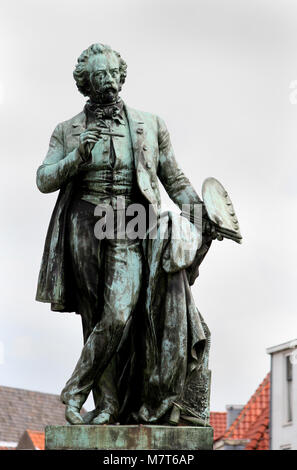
[(283, 434)]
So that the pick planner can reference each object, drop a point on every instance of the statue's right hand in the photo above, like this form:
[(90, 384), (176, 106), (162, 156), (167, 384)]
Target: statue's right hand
[(87, 140)]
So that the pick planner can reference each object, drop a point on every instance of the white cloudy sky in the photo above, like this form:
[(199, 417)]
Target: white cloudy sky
[(218, 72)]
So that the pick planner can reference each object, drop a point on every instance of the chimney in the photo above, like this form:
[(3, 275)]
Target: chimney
[(232, 413)]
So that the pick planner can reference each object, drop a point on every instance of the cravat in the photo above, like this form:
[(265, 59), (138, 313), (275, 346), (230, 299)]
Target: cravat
[(110, 111)]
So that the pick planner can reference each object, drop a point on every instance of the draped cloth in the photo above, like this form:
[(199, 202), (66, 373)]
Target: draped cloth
[(169, 340)]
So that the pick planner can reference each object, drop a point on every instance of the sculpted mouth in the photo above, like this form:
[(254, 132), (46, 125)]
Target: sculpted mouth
[(110, 89), (106, 90)]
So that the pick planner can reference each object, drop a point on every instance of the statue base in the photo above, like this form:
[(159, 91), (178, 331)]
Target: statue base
[(133, 437)]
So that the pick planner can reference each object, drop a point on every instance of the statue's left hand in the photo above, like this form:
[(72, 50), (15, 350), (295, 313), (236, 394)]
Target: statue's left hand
[(210, 230)]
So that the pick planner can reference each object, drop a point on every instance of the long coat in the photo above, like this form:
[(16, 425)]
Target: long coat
[(153, 158), (169, 339)]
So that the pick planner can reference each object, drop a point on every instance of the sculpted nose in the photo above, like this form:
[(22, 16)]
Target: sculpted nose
[(108, 78)]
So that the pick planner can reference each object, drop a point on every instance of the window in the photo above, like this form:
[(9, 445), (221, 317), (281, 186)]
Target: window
[(289, 383)]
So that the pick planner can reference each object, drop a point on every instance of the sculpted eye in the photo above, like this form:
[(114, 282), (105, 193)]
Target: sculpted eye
[(99, 74)]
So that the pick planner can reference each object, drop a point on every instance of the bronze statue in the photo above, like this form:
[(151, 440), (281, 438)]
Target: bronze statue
[(145, 356)]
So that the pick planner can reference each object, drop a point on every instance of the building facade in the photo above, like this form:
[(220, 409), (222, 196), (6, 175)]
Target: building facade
[(283, 403)]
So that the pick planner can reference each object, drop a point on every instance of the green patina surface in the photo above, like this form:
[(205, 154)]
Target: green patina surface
[(146, 345), (129, 437), (145, 356)]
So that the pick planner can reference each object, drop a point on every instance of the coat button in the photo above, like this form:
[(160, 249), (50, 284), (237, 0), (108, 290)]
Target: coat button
[(148, 165), (144, 147), (105, 137), (139, 131), (153, 184)]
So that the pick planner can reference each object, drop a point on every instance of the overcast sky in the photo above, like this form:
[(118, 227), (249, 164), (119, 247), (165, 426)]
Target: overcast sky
[(219, 73)]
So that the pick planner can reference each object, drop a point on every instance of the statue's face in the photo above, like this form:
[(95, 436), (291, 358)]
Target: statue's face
[(104, 72)]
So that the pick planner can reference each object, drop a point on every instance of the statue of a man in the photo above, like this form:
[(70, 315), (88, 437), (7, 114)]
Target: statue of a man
[(106, 152)]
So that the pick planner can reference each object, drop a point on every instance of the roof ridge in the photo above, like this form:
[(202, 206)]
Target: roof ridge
[(30, 391), (245, 409)]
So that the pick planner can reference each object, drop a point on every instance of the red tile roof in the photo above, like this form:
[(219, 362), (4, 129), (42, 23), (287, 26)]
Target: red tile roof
[(31, 440), (218, 420), (259, 433), (253, 421), (37, 439)]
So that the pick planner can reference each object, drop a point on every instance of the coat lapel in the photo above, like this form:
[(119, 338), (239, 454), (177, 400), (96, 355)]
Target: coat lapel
[(137, 132), (79, 124)]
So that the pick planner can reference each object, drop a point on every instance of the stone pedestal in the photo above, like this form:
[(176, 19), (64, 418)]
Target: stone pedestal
[(128, 437)]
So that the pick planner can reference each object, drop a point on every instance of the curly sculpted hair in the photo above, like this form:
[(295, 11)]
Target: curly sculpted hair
[(81, 73)]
